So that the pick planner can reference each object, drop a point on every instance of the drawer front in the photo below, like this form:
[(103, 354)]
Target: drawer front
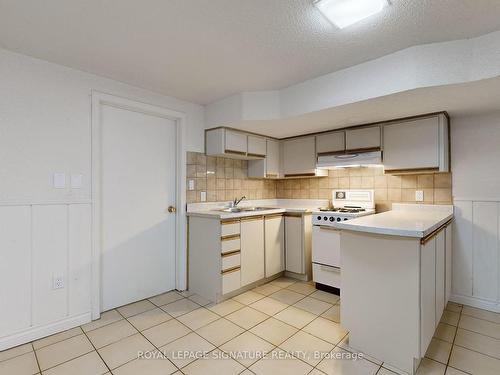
[(231, 261), (231, 281), (326, 275), (230, 245), (229, 229)]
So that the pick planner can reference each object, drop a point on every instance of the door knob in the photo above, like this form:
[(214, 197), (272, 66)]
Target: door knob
[(171, 209)]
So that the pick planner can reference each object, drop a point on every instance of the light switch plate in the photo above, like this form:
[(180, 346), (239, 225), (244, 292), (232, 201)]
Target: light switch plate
[(419, 195), (190, 184), (76, 181), (203, 196), (59, 180)]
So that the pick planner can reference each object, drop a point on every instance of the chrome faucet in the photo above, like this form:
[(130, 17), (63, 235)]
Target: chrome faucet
[(237, 201)]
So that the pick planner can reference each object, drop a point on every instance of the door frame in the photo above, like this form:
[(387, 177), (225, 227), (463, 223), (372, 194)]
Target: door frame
[(98, 100)]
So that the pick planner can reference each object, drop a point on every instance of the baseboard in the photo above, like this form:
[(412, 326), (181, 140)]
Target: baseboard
[(35, 333), (476, 302)]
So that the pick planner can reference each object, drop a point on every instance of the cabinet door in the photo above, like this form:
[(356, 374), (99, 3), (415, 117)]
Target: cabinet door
[(299, 156), (427, 294), (236, 142), (294, 250), (412, 144), (362, 138), (274, 245), (272, 158), (256, 146), (330, 142), (440, 274), (448, 251), (252, 250)]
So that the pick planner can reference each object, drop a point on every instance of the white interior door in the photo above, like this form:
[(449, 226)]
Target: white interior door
[(137, 185)]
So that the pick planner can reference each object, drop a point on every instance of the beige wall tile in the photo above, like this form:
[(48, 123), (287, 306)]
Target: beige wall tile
[(408, 195), (333, 182), (323, 183), (394, 181), (344, 183), (442, 180), (442, 196), (394, 195), (367, 182), (191, 170), (191, 157), (355, 182), (409, 182), (380, 182), (425, 181), (380, 195)]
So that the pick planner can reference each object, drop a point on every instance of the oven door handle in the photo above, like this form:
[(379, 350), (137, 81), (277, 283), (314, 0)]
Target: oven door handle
[(328, 228)]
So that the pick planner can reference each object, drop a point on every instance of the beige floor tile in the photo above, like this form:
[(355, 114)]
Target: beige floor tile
[(136, 308), (213, 365), (266, 289), (439, 351), (477, 342), (326, 330), (283, 282), (279, 362), (199, 300), (226, 307), (295, 317), (450, 317), (125, 350), (429, 367), (165, 333), (247, 343), (287, 296), (107, 317), (313, 348), (149, 319), (16, 351), (482, 314), (111, 333), (248, 297), (247, 317), (453, 371), (384, 371), (481, 326), (146, 367), (302, 288), (474, 362), (445, 332), (454, 307), (345, 365), (325, 296), (313, 305), (220, 331), (166, 298), (198, 318), (180, 307), (88, 364), (332, 314), (316, 372), (274, 331), (344, 344), (186, 293), (269, 306), (57, 337), (193, 343), (24, 364), (63, 351), (247, 372)]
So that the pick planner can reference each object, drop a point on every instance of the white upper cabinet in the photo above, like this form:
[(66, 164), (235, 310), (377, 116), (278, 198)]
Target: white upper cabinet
[(419, 144), (236, 142), (268, 167), (365, 138), (299, 157), (330, 142), (256, 146)]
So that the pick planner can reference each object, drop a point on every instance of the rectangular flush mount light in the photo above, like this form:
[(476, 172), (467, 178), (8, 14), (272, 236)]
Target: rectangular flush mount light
[(343, 13)]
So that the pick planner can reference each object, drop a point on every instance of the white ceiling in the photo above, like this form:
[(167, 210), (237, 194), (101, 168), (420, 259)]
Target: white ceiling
[(204, 50)]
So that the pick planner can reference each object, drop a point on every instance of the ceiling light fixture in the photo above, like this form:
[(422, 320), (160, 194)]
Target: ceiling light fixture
[(343, 13)]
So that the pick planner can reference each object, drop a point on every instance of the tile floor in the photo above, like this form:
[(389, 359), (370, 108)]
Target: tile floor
[(280, 325)]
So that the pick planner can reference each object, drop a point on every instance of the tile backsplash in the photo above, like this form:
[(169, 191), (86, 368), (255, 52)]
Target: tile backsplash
[(224, 179)]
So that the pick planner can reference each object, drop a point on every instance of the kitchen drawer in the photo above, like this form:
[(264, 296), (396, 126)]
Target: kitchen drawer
[(231, 281), (326, 275), (231, 261), (228, 245), (230, 228)]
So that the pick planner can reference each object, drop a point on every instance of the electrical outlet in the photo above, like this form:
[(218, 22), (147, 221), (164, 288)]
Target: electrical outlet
[(190, 184), (419, 195), (58, 282), (203, 196)]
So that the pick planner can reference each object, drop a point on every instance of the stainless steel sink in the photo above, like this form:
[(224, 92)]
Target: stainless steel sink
[(245, 209)]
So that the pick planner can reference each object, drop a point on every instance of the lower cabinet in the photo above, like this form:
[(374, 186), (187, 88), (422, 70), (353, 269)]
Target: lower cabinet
[(274, 233), (252, 249), (293, 244)]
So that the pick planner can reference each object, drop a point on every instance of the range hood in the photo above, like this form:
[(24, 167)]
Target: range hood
[(349, 160)]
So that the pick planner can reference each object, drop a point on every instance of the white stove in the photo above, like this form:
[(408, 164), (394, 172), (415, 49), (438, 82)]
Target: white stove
[(348, 204)]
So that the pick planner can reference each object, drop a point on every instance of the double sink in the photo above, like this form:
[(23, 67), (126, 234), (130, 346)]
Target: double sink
[(245, 209)]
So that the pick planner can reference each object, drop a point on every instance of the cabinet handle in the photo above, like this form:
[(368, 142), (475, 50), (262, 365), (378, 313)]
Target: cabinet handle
[(230, 237), (256, 155), (226, 222), (433, 234), (230, 253), (328, 228), (227, 151), (230, 270), (252, 218)]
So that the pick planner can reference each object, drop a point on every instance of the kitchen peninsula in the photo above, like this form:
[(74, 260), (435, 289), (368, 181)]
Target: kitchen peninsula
[(400, 262)]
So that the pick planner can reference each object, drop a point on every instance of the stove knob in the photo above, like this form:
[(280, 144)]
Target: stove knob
[(345, 218), (332, 218), (338, 219), (319, 218), (325, 218)]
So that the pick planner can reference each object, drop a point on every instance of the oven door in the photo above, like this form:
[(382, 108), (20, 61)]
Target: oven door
[(326, 245)]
